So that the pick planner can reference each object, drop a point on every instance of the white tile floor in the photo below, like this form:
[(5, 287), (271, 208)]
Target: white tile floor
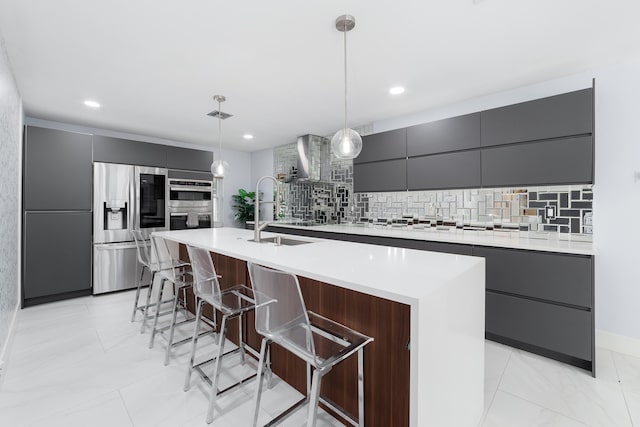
[(82, 363)]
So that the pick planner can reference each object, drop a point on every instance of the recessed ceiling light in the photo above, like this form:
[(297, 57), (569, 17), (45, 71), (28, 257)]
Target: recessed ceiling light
[(247, 136), (397, 90), (92, 104)]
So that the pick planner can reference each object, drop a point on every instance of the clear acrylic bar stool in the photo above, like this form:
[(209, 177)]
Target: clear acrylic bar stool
[(232, 303), (144, 259), (148, 261), (282, 318), (172, 271)]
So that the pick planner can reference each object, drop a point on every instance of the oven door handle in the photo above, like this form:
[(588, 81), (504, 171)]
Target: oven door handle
[(198, 190)]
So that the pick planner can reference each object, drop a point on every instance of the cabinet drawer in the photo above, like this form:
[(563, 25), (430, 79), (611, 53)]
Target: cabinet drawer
[(555, 277), (439, 171), (390, 175), (564, 161), (456, 133), (561, 329), (383, 146), (553, 117)]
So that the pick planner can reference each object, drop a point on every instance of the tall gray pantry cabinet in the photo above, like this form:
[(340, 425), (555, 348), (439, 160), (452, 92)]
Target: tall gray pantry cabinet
[(57, 183)]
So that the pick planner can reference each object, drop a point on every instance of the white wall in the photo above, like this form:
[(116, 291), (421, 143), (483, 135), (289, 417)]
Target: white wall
[(616, 194), (238, 177), (262, 165), (11, 118)]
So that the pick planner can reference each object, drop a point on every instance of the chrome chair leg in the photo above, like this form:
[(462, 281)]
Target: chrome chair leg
[(146, 305), (174, 316), (157, 314), (135, 303), (314, 398), (361, 387), (216, 373), (194, 342), (261, 367)]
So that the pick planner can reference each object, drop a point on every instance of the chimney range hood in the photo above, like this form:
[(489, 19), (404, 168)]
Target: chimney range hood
[(313, 159)]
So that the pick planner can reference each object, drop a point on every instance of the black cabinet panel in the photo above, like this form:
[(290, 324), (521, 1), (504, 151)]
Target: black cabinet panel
[(563, 161), (383, 146), (456, 133), (188, 159), (57, 253), (553, 327), (57, 170), (554, 277), (125, 151), (451, 170), (556, 116), (390, 175)]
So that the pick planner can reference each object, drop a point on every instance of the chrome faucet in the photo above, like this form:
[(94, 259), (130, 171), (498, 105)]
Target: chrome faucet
[(257, 227)]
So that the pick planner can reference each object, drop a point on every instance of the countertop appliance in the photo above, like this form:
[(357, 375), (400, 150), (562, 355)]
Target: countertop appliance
[(190, 202), (125, 198)]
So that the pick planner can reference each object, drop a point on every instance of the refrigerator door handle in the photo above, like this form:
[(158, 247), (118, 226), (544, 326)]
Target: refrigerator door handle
[(115, 246)]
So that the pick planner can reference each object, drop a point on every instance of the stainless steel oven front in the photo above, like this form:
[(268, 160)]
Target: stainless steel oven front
[(190, 203)]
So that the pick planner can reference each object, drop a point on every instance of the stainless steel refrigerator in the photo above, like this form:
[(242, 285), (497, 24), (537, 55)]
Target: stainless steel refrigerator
[(125, 198)]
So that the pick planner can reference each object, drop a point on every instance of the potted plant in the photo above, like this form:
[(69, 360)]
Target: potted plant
[(243, 205)]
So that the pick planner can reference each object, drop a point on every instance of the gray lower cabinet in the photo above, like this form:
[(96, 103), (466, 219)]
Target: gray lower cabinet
[(453, 134), (117, 150), (389, 175), (553, 117), (383, 146), (57, 170), (562, 161), (561, 278), (541, 302), (547, 326), (57, 254), (188, 159), (441, 171)]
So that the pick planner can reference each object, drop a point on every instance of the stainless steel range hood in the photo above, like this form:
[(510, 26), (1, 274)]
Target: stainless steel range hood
[(314, 159)]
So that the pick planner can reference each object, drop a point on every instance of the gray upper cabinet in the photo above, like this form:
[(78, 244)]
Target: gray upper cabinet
[(390, 175), (383, 146), (188, 159), (563, 161), (556, 116), (116, 150), (57, 174), (440, 171), (456, 133)]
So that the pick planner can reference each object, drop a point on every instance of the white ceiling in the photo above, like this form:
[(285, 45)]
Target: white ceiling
[(154, 65)]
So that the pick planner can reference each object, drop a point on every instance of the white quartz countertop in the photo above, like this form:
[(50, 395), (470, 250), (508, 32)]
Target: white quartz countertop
[(504, 239), (403, 275)]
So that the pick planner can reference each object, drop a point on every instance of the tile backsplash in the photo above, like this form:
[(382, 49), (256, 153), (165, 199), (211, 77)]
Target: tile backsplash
[(570, 206), (562, 209)]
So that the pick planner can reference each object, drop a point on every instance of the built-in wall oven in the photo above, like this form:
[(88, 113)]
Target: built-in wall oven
[(190, 202)]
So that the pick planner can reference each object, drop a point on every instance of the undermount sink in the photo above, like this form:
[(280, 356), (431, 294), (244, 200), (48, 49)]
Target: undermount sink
[(285, 241)]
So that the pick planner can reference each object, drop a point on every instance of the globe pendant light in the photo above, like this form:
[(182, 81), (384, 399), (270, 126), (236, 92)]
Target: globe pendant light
[(219, 168), (346, 143)]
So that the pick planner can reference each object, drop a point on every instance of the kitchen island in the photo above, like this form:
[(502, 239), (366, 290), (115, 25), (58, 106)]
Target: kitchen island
[(425, 310)]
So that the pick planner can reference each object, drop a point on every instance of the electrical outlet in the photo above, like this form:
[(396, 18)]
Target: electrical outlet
[(551, 212)]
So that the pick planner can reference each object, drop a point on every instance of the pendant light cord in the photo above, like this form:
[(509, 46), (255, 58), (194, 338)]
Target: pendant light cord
[(220, 130), (345, 76)]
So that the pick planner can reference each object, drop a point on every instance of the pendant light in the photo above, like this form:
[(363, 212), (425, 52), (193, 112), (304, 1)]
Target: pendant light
[(219, 168), (346, 143)]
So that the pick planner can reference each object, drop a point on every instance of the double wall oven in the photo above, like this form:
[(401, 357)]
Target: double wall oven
[(190, 202), (125, 198)]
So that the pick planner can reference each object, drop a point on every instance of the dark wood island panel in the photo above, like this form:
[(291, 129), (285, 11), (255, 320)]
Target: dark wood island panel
[(386, 359)]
